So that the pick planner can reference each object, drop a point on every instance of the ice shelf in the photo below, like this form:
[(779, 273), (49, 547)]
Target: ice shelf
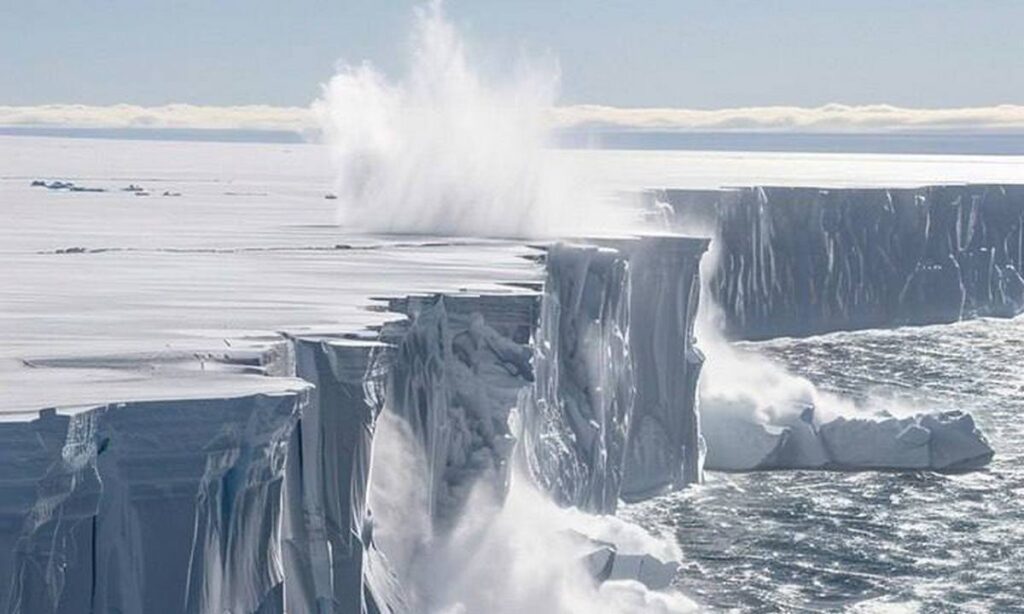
[(795, 261), (191, 387), (191, 428)]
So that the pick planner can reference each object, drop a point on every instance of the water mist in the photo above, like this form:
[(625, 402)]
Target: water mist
[(443, 151), (504, 555)]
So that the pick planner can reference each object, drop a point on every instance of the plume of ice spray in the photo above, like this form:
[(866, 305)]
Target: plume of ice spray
[(505, 555), (399, 494), (444, 152), (746, 385)]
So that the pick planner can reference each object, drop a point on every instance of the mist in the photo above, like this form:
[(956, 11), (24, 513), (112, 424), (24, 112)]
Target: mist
[(504, 554), (445, 151)]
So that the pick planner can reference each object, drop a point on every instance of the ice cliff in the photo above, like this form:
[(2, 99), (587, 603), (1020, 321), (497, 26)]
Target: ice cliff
[(803, 261), (260, 502), (151, 506), (481, 382), (666, 448), (613, 413)]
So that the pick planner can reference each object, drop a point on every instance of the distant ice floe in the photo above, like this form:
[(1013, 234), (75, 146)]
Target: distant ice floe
[(59, 185)]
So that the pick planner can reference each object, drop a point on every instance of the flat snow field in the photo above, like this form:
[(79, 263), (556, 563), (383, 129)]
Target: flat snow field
[(114, 296)]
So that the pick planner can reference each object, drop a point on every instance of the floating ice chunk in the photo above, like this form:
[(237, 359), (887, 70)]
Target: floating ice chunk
[(599, 562), (956, 443), (804, 445), (607, 561), (739, 444), (870, 443), (938, 441), (647, 569)]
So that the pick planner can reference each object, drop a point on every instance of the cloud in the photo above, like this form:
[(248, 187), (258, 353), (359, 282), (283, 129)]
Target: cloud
[(251, 117), (827, 118)]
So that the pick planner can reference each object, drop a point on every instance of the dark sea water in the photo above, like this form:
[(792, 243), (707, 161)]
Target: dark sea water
[(886, 542)]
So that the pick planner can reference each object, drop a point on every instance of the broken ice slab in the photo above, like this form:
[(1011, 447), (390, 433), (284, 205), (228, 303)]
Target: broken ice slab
[(606, 561), (946, 441)]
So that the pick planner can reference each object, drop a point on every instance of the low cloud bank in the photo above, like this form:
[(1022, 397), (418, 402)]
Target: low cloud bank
[(172, 116), (828, 118)]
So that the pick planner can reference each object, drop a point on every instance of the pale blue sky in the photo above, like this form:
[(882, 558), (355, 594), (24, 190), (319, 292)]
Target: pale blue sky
[(703, 54)]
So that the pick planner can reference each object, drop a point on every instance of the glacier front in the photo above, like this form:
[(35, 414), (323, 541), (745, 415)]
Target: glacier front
[(797, 261)]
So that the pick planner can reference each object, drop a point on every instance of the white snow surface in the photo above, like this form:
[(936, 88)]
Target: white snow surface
[(192, 282)]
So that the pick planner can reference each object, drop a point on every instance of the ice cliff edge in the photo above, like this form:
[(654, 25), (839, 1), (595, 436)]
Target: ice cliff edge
[(258, 502), (804, 261)]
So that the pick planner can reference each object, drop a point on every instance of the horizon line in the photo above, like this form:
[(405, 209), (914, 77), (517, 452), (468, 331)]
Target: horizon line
[(833, 118)]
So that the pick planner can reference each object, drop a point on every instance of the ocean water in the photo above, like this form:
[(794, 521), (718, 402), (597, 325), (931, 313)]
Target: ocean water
[(831, 541)]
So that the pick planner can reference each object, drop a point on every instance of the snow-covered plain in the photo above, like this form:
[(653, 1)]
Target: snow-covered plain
[(157, 284)]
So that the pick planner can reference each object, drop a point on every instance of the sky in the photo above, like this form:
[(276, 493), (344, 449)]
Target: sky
[(696, 54)]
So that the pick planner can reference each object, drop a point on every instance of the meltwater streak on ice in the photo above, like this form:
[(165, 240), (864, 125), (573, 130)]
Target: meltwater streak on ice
[(444, 152)]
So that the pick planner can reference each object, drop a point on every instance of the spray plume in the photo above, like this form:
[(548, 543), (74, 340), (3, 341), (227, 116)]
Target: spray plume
[(504, 555), (444, 152)]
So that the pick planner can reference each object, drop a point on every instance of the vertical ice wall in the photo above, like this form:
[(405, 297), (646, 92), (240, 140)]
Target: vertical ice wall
[(50, 491), (327, 534), (459, 367), (665, 446), (800, 261), (613, 413), (552, 377), (149, 506), (576, 418)]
